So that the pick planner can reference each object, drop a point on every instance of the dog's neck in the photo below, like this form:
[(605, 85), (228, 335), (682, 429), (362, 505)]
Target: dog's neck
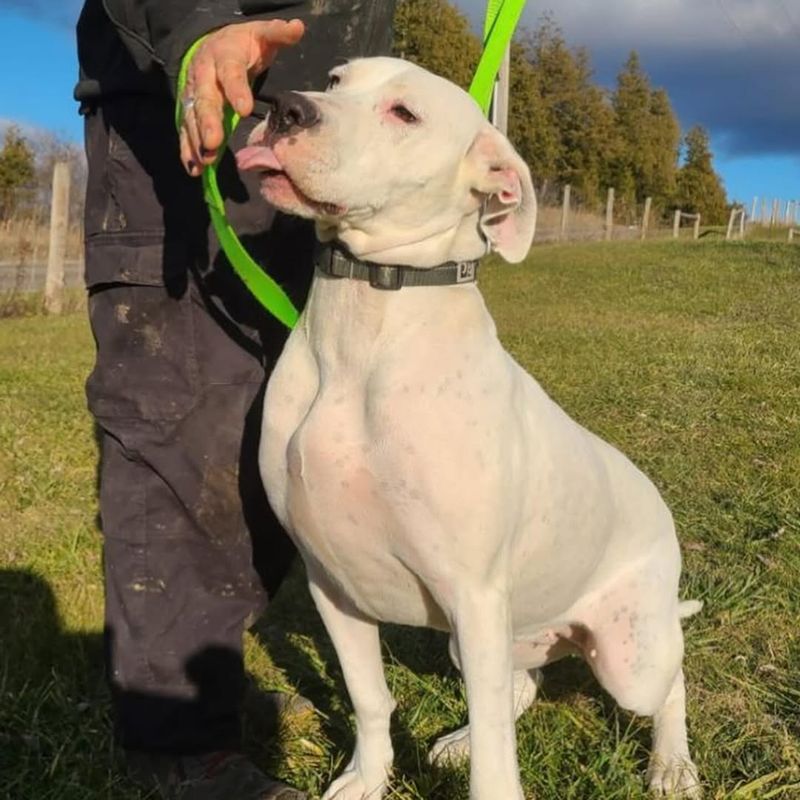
[(424, 247), (348, 321)]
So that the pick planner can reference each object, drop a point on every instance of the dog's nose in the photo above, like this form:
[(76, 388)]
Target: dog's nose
[(290, 111)]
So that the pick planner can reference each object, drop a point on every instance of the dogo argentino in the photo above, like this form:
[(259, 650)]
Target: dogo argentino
[(425, 477)]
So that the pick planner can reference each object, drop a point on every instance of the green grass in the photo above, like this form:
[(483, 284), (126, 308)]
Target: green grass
[(685, 355), (31, 304)]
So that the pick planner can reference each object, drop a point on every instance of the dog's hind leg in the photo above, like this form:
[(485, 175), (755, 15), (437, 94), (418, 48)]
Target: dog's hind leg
[(635, 651), (453, 748), (357, 645)]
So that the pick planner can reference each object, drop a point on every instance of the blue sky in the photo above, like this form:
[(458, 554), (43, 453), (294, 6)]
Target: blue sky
[(730, 65)]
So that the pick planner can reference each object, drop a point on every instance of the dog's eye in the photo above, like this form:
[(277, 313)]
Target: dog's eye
[(402, 113), (333, 80)]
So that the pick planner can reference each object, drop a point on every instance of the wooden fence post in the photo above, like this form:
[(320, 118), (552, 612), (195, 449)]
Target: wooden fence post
[(609, 214), (697, 226), (564, 213), (773, 220), (59, 219), (741, 225), (676, 223), (500, 97), (753, 209), (731, 218), (646, 216)]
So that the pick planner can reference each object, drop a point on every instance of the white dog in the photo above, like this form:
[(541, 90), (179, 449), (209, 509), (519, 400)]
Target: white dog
[(425, 477)]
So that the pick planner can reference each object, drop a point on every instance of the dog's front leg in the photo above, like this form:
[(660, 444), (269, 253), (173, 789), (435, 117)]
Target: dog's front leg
[(671, 771), (483, 631), (355, 638)]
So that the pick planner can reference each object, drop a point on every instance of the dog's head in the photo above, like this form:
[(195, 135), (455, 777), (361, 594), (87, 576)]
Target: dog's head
[(397, 163)]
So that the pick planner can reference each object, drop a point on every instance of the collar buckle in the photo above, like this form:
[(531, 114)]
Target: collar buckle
[(385, 277)]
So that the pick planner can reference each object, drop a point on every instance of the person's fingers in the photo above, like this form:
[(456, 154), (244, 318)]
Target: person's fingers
[(189, 158), (206, 132), (232, 77), (191, 129), (208, 120), (269, 36)]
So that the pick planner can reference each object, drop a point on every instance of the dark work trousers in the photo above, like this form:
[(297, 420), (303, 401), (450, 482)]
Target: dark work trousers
[(191, 548)]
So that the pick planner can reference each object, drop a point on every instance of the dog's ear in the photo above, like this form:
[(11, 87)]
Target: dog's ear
[(502, 178)]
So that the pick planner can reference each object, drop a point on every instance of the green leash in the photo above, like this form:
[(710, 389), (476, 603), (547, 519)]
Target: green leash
[(267, 291), (502, 17)]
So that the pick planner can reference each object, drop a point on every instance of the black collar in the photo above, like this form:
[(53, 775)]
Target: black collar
[(335, 260)]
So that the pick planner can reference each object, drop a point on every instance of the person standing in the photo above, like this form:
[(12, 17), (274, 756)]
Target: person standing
[(192, 552)]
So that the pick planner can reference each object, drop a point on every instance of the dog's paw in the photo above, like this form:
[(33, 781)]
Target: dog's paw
[(350, 785), (452, 749), (675, 776)]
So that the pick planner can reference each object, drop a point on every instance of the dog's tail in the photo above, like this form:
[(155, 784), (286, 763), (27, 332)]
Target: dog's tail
[(688, 608)]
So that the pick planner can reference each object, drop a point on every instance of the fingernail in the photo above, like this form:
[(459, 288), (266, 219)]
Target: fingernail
[(192, 167)]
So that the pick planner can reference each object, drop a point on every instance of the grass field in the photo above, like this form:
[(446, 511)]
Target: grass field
[(685, 355)]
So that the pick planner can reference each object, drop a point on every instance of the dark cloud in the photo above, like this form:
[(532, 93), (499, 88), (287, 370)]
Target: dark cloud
[(729, 65), (749, 101), (60, 14)]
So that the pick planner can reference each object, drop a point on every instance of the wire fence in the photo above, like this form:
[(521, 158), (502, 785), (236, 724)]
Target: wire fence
[(565, 216), (29, 263)]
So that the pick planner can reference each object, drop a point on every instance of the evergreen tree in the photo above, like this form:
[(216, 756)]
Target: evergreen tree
[(700, 189), (529, 127), (437, 36), (576, 112), (631, 102), (662, 165), (16, 170), (647, 160)]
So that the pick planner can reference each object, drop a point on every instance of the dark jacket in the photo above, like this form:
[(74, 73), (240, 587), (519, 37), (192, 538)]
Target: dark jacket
[(136, 46)]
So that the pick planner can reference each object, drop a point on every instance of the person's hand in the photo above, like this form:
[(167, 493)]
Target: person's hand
[(219, 73)]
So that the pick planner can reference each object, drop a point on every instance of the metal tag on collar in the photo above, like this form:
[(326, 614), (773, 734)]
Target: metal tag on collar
[(385, 277), (465, 271)]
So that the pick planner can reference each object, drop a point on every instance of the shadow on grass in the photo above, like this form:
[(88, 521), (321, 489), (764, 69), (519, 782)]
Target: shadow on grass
[(55, 725), (56, 728), (54, 698)]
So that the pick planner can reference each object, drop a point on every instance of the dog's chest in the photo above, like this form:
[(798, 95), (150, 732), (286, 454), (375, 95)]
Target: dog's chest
[(347, 495)]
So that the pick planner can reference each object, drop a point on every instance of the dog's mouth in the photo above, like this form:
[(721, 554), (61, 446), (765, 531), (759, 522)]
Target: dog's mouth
[(277, 185)]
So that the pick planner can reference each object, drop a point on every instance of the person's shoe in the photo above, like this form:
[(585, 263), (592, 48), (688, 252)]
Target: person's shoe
[(213, 776)]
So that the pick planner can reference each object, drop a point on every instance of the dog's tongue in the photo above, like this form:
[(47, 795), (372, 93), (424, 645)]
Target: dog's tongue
[(257, 157)]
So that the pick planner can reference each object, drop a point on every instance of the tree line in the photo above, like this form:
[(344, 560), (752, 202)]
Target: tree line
[(567, 128), (26, 174)]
